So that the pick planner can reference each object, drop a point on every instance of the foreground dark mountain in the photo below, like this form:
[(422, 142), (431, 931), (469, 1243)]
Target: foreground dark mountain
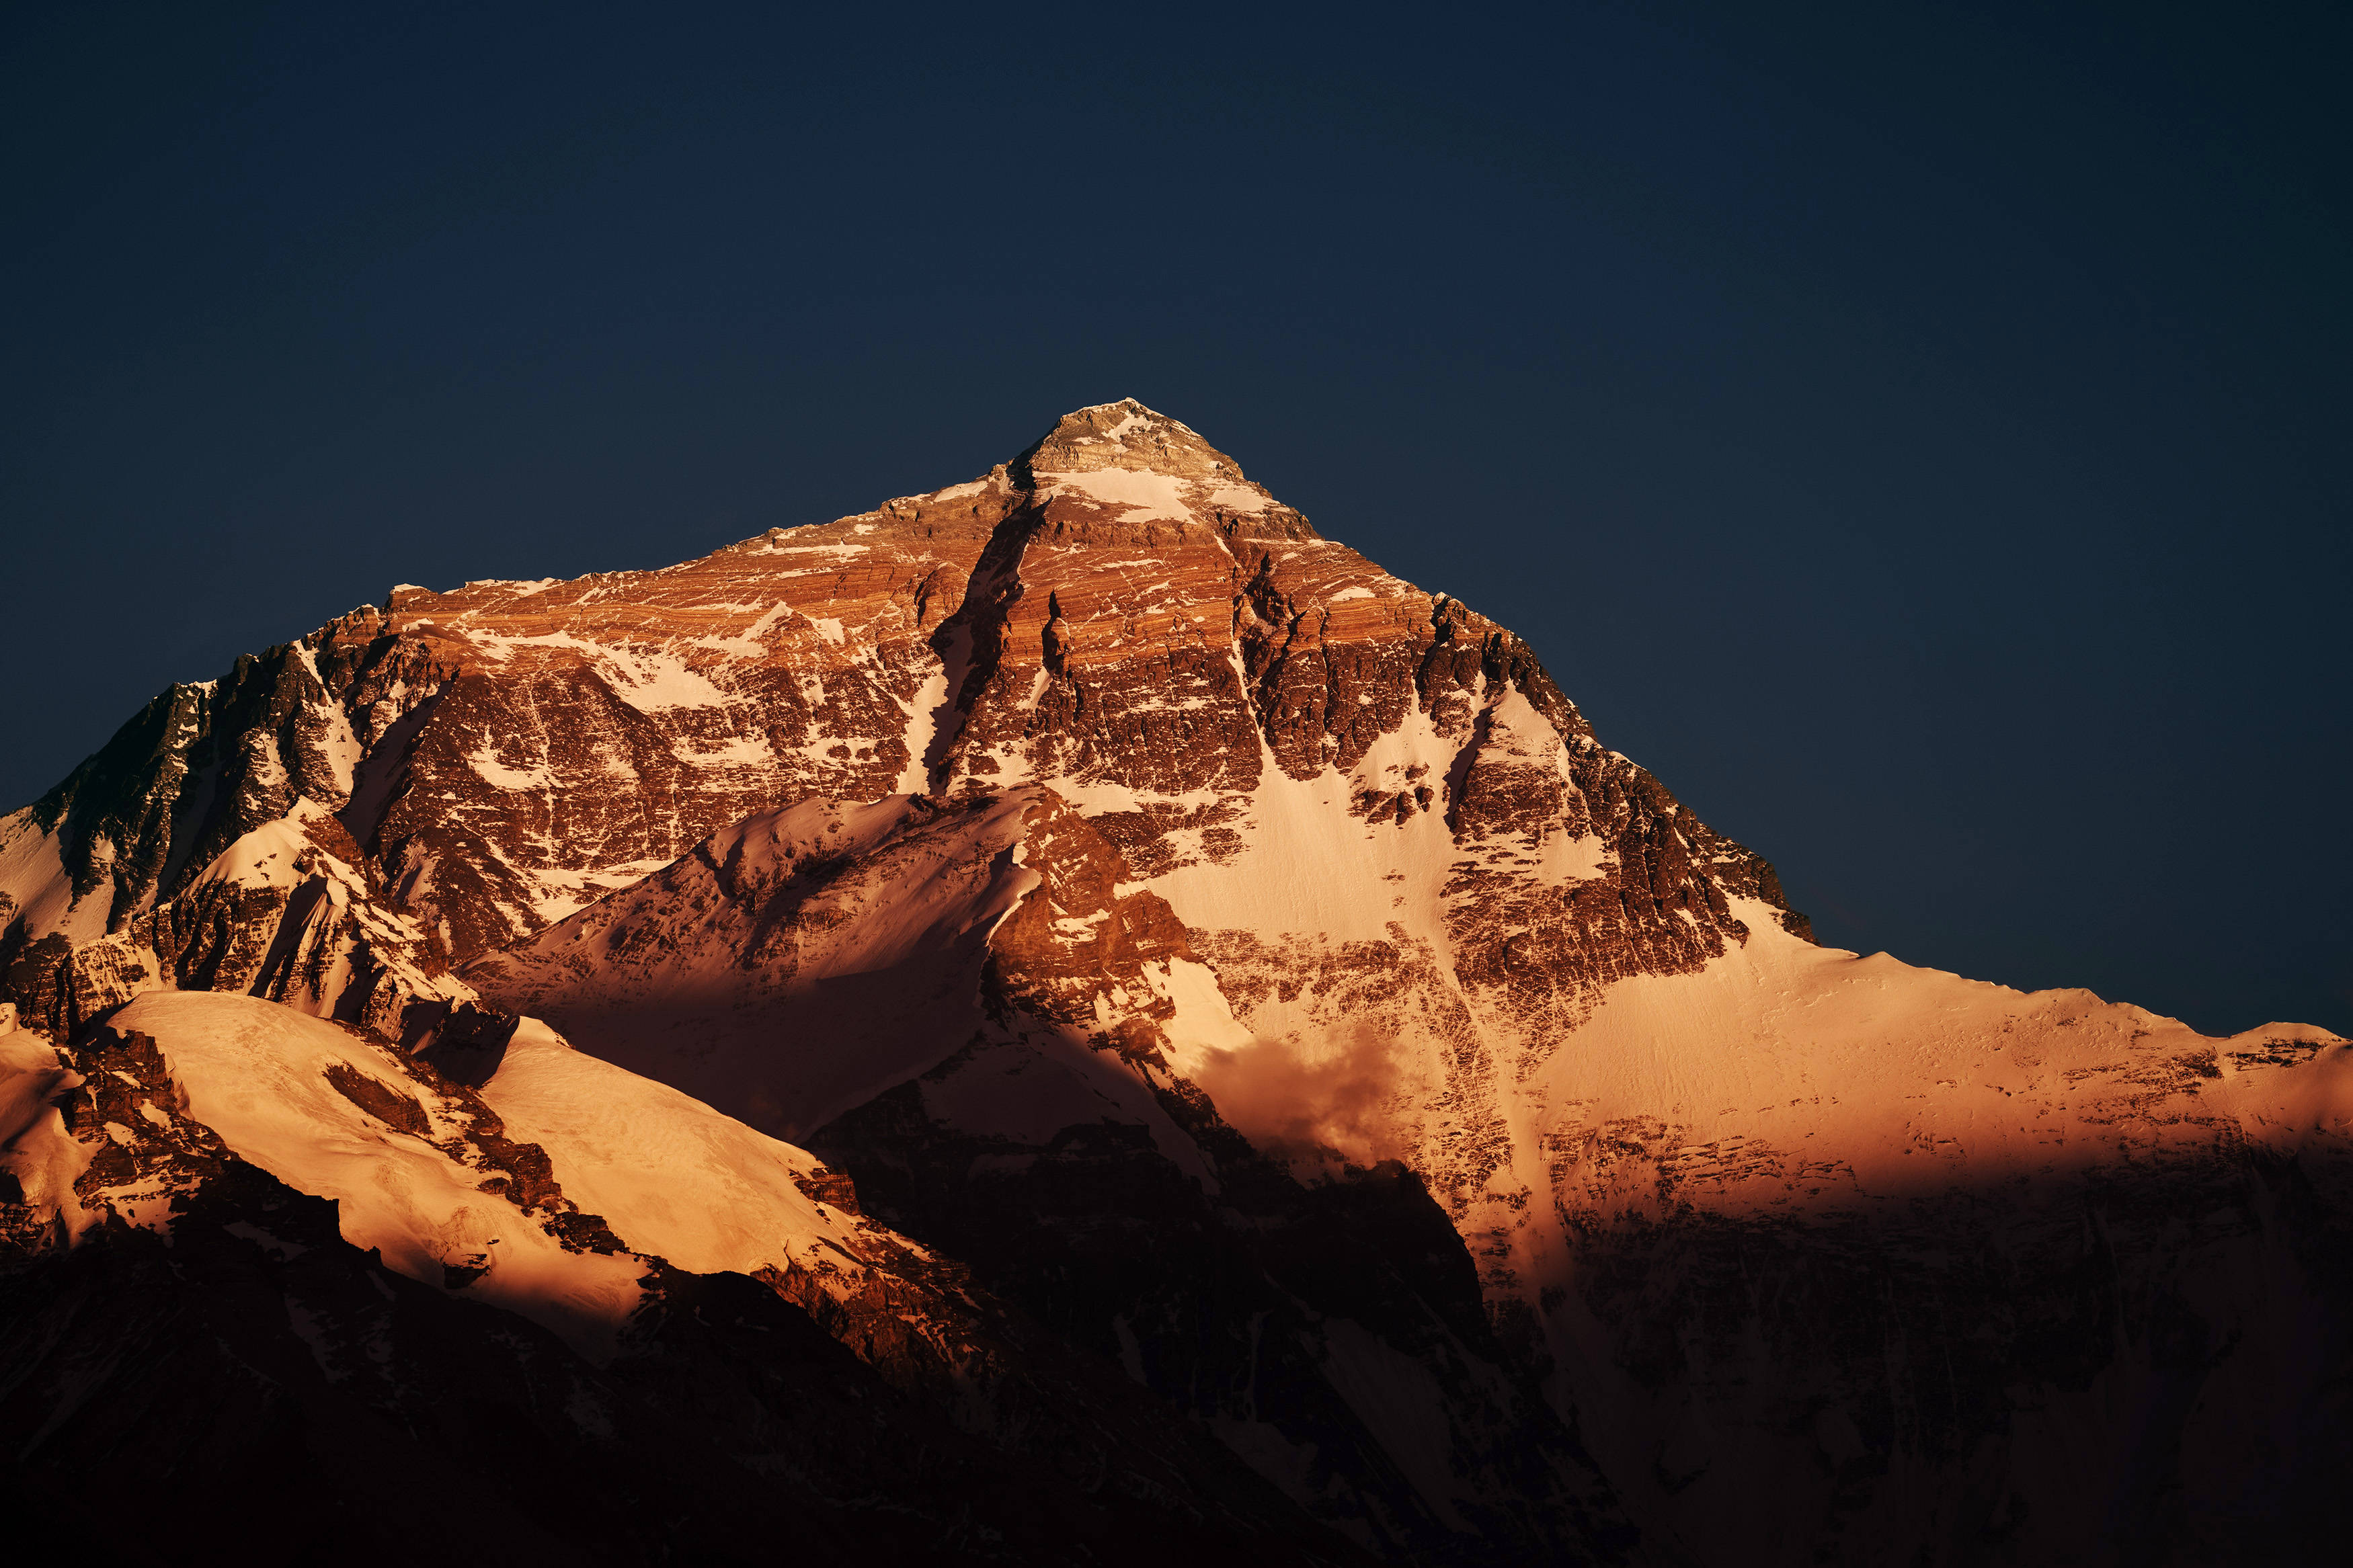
[(1259, 1010), (442, 1321)]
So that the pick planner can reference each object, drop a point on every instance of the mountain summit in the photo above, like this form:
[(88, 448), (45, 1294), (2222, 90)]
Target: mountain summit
[(1125, 434), (1239, 1021)]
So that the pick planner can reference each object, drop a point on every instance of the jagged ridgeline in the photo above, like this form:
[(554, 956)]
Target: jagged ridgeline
[(1159, 1005)]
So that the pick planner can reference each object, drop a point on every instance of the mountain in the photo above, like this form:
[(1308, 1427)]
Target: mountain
[(1239, 1027)]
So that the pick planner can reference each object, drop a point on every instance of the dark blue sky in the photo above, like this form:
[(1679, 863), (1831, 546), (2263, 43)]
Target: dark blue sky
[(1919, 434)]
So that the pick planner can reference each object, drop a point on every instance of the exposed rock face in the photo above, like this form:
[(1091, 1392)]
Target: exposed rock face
[(206, 847), (1161, 912)]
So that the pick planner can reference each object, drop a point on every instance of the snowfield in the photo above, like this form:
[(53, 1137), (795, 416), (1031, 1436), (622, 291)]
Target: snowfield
[(257, 1074)]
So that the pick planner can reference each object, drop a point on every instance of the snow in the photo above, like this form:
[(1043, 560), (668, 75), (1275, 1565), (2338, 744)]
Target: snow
[(560, 891), (1312, 879), (747, 643), (496, 773), (652, 680), (280, 854), (254, 1072), (922, 729), (33, 873), (1348, 595), (671, 1176), (1876, 1059), (1204, 1021), (1155, 496), (263, 857), (339, 748), (1242, 497), (838, 552), (741, 752), (1308, 870), (342, 749), (1561, 860), (35, 1146)]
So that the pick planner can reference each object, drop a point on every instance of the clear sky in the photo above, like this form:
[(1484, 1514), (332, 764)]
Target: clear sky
[(1918, 433)]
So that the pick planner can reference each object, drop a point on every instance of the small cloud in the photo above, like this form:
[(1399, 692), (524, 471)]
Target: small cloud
[(1308, 1113)]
